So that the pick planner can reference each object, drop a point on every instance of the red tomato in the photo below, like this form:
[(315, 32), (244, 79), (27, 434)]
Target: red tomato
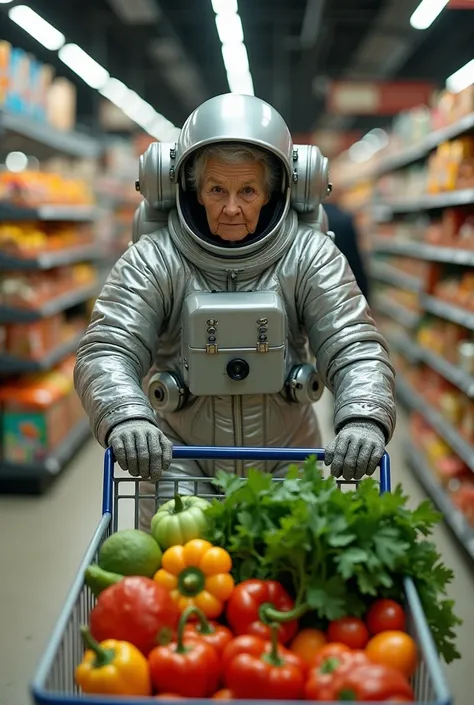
[(385, 615), (396, 649), (350, 631), (321, 677)]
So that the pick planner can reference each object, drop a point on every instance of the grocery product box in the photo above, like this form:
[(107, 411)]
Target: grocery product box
[(19, 79), (35, 416), (61, 104)]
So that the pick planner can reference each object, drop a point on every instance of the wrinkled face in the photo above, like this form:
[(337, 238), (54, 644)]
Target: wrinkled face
[(233, 196)]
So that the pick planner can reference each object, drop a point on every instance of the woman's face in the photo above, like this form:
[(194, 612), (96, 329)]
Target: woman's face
[(233, 196)]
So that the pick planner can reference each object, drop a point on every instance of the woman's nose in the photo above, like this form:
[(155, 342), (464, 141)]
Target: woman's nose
[(231, 206)]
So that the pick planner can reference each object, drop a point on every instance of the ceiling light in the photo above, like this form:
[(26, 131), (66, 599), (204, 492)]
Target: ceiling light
[(16, 161), (136, 11), (241, 83), (426, 13), (229, 28), (115, 91), (224, 7), (34, 24), (462, 78), (235, 58), (360, 152), (5, 2), (84, 65)]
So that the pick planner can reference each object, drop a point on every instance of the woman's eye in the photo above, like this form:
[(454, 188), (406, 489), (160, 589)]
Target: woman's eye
[(248, 191), (216, 189)]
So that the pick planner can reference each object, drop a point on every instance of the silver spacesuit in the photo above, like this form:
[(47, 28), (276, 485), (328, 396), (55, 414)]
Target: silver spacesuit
[(137, 323)]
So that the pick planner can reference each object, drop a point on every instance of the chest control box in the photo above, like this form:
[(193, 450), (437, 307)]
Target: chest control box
[(233, 343)]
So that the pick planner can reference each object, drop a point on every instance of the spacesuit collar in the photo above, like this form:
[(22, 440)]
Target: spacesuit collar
[(250, 263)]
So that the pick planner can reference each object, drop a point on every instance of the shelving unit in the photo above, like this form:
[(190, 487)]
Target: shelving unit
[(21, 133), (392, 227), (452, 516)]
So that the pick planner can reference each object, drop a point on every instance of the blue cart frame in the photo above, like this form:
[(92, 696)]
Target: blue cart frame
[(53, 682)]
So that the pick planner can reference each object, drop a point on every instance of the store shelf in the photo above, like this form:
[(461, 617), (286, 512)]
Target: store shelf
[(421, 250), (415, 402), (14, 365), (450, 312), (417, 353), (48, 260), (391, 275), (463, 197), (399, 313), (35, 478), (414, 153), (452, 516), (403, 344), (75, 144), (10, 212), (61, 303)]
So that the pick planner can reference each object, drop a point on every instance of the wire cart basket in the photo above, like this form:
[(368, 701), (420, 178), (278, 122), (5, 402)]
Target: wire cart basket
[(54, 679)]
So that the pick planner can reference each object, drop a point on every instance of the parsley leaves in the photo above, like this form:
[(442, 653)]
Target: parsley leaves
[(334, 550)]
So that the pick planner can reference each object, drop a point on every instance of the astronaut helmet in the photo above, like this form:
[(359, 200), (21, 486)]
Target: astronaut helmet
[(296, 175)]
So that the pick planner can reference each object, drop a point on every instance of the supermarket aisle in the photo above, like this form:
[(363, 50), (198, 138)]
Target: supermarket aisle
[(47, 537)]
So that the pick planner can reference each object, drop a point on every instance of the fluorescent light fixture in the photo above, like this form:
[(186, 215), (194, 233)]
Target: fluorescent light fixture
[(224, 7), (241, 83), (115, 91), (5, 2), (34, 24), (462, 78), (426, 13), (235, 58), (84, 65), (229, 28)]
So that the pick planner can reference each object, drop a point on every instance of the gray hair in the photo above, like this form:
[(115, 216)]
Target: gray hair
[(234, 154)]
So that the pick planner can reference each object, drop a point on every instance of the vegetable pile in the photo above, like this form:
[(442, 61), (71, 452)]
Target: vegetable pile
[(285, 590)]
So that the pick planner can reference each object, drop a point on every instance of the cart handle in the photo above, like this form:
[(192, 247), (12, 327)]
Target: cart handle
[(234, 453)]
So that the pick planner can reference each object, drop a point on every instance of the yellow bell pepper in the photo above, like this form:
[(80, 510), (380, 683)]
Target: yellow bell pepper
[(197, 575), (112, 668)]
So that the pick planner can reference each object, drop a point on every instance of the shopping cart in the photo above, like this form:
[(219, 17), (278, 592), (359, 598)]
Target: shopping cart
[(54, 679)]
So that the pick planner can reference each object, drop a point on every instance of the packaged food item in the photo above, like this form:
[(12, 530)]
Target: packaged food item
[(465, 356), (5, 52), (61, 104), (35, 416), (18, 91)]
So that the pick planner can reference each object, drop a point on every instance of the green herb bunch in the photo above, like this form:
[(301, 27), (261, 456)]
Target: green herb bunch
[(335, 550)]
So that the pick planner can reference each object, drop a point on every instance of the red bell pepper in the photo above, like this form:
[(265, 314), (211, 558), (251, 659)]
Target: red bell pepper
[(187, 666), (212, 633), (368, 683), (264, 671), (323, 673), (250, 605), (136, 610)]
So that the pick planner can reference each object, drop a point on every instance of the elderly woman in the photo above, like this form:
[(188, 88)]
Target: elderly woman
[(233, 230)]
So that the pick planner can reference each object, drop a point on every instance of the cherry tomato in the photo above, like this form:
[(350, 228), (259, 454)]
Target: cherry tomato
[(307, 644), (350, 631), (385, 615), (328, 651), (394, 648)]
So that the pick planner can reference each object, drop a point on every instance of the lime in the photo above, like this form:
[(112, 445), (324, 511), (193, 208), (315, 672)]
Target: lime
[(130, 552)]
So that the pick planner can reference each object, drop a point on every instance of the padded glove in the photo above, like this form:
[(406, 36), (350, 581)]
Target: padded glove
[(141, 449), (356, 451)]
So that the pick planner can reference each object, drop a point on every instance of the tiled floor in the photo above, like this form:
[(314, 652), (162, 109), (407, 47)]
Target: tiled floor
[(43, 539)]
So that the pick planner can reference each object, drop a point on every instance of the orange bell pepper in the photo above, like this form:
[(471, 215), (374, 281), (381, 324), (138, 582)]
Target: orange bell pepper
[(197, 575)]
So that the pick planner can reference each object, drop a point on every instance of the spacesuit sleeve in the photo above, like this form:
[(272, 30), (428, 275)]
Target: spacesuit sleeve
[(117, 349), (352, 356)]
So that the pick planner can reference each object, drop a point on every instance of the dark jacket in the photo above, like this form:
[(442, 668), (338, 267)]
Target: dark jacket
[(342, 224)]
